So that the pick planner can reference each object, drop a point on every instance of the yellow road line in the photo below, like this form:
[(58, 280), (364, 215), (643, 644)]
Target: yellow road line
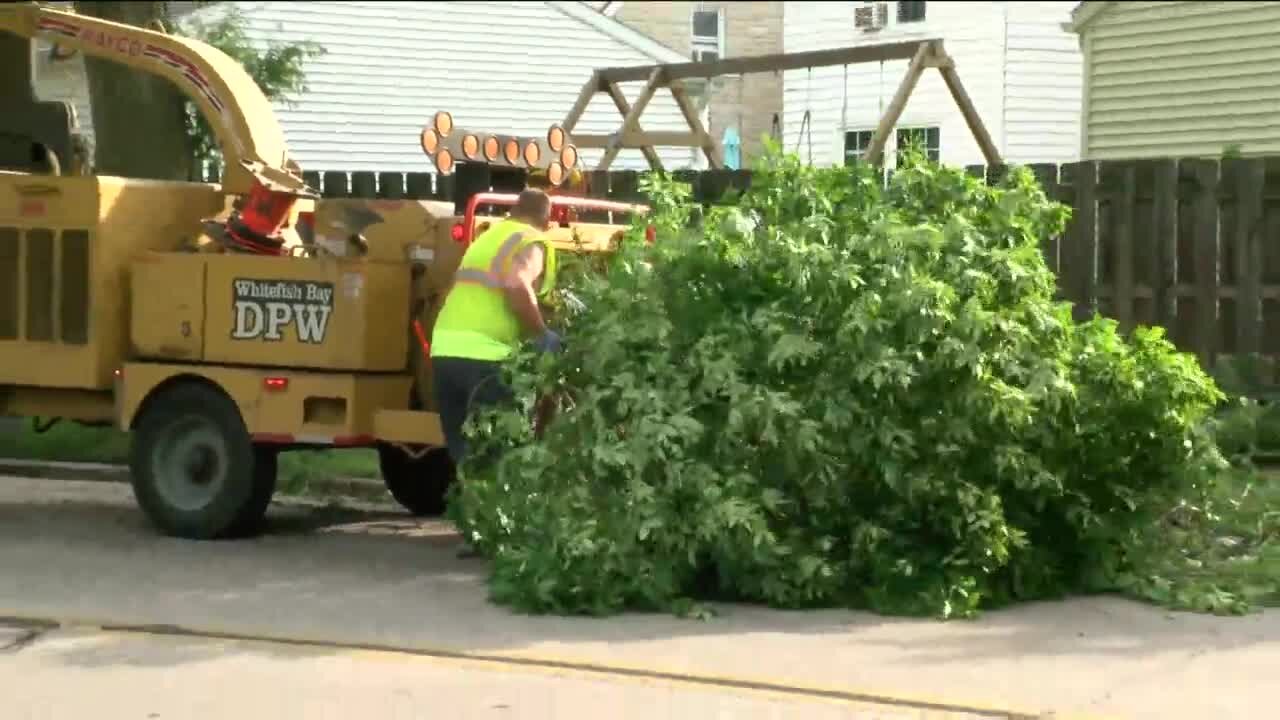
[(547, 664)]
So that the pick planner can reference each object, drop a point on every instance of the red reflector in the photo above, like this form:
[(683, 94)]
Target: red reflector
[(276, 383), (422, 339), (650, 234), (457, 232)]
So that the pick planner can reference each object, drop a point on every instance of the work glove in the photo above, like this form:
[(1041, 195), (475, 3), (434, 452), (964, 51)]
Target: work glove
[(548, 342)]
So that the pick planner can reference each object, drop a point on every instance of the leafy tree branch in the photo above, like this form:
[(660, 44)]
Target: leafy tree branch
[(277, 68)]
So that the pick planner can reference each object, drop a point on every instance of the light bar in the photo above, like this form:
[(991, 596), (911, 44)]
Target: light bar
[(447, 146)]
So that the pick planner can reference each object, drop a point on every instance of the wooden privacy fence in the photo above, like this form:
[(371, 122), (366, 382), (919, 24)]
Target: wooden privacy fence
[(1192, 245), (622, 185)]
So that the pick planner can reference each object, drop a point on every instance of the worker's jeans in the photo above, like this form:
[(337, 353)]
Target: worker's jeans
[(462, 385)]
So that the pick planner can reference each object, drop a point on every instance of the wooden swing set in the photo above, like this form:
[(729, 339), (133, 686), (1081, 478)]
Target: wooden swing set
[(923, 54)]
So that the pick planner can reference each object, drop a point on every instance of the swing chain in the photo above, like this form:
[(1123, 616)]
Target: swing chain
[(806, 124)]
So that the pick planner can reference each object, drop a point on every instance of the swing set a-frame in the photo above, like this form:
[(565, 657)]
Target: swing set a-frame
[(923, 54)]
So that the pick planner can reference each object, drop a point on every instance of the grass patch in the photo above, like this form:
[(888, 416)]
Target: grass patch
[(1222, 557), (66, 442), (69, 442)]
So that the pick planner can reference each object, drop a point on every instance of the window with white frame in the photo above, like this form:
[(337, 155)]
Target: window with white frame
[(873, 15), (910, 12), (856, 143), (928, 139), (707, 35)]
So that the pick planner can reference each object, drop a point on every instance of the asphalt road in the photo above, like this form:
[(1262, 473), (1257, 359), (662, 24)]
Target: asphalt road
[(382, 620), (77, 673)]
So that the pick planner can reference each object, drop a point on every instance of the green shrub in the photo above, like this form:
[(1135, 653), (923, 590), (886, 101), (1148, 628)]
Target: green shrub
[(834, 393)]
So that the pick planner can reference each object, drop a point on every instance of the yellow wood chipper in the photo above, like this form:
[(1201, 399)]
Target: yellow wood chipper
[(307, 325)]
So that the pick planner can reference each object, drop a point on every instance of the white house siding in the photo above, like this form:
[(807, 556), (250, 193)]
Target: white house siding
[(973, 34), (503, 66), (1042, 84), (1009, 59)]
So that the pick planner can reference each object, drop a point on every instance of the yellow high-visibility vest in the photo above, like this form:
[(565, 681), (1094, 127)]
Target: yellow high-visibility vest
[(476, 323)]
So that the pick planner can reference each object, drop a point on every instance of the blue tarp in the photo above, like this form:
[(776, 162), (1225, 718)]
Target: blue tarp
[(732, 149)]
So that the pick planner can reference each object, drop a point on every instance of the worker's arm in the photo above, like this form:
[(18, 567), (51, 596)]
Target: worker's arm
[(518, 283)]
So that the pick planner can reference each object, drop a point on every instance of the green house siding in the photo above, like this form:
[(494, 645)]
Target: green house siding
[(1181, 79)]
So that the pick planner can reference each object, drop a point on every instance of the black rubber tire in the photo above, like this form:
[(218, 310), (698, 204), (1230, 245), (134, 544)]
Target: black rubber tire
[(419, 485), (265, 468), (244, 475)]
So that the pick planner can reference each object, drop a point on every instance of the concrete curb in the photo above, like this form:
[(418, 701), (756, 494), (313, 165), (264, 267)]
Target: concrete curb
[(353, 488)]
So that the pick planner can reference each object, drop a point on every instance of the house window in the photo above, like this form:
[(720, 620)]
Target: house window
[(708, 35), (929, 140), (910, 12), (856, 143)]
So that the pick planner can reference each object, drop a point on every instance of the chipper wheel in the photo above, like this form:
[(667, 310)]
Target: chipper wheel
[(196, 472), (418, 484)]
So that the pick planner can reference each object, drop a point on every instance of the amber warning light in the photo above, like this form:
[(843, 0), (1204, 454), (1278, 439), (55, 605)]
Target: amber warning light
[(446, 145)]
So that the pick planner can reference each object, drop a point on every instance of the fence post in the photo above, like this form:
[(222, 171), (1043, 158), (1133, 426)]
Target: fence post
[(624, 186), (1066, 194), (596, 185), (1246, 178), (1118, 182), (446, 188), (364, 184), (391, 185), (1205, 223), (418, 185), (335, 184), (312, 179), (469, 179), (1164, 208), (1081, 260), (1047, 175), (715, 184)]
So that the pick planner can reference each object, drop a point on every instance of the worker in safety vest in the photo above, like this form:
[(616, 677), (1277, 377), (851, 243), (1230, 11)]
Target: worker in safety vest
[(492, 305)]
